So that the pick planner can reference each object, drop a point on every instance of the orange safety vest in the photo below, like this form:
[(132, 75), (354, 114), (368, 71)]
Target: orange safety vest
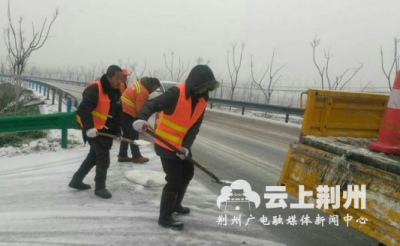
[(133, 98), (100, 113), (173, 128)]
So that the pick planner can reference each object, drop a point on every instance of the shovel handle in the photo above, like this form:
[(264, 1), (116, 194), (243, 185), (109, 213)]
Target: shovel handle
[(151, 131), (102, 134), (115, 137)]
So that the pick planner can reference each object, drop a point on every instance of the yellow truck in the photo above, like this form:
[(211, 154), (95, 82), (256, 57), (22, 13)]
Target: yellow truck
[(337, 127)]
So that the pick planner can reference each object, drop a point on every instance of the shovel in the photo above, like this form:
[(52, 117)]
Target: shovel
[(215, 178), (135, 142)]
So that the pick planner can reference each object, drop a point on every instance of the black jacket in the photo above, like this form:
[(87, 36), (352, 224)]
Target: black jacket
[(89, 103), (167, 103)]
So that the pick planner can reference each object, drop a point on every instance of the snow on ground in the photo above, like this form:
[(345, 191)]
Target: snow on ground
[(38, 208)]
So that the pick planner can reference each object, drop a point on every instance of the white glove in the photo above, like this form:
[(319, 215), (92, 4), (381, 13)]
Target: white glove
[(91, 133), (140, 125), (183, 156)]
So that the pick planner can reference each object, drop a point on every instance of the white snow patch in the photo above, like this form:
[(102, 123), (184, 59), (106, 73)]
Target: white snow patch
[(147, 178)]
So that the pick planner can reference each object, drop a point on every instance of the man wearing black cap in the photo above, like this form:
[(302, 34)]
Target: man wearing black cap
[(182, 109), (99, 111)]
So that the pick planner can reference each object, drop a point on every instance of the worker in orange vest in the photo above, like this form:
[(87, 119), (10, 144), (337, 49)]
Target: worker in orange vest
[(99, 111), (132, 100), (124, 83), (182, 109)]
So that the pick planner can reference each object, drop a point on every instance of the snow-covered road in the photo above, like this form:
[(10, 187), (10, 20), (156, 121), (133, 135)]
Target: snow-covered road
[(38, 208)]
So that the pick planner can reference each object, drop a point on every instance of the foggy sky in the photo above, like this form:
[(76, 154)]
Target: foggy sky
[(92, 31)]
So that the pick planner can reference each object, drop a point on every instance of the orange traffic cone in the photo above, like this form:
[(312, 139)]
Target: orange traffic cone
[(389, 133)]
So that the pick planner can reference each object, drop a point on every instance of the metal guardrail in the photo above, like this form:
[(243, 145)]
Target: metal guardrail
[(62, 121), (263, 107), (41, 79), (39, 85), (71, 100)]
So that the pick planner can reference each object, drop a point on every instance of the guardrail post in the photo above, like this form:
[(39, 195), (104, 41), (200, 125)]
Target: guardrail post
[(243, 110), (60, 98), (287, 118), (48, 92), (69, 104), (211, 105), (64, 138), (40, 88), (36, 85), (54, 96), (44, 89), (73, 102)]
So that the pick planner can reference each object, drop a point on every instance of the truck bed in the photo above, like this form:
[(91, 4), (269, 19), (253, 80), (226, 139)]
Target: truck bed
[(355, 149)]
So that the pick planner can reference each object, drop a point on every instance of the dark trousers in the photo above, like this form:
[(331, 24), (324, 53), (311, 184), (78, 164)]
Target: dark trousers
[(178, 172), (130, 133), (99, 156)]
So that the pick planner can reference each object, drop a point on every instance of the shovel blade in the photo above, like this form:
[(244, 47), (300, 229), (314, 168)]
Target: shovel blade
[(141, 142)]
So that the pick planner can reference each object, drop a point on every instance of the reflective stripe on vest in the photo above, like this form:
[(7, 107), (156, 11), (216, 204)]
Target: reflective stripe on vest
[(137, 87), (173, 125), (126, 100), (173, 128)]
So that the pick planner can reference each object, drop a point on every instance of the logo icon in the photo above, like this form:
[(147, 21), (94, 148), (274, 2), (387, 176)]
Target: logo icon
[(238, 196)]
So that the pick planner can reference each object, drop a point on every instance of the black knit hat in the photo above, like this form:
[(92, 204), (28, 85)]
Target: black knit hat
[(200, 76)]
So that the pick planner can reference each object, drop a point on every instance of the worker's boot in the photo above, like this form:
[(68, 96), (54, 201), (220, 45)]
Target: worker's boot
[(137, 156), (100, 189), (166, 209), (77, 183), (178, 204), (140, 160), (103, 193)]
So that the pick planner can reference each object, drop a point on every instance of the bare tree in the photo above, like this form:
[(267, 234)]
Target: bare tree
[(20, 49), (340, 81), (176, 73), (234, 73), (77, 73), (134, 67), (395, 63), (3, 66), (314, 45), (273, 77), (221, 92)]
